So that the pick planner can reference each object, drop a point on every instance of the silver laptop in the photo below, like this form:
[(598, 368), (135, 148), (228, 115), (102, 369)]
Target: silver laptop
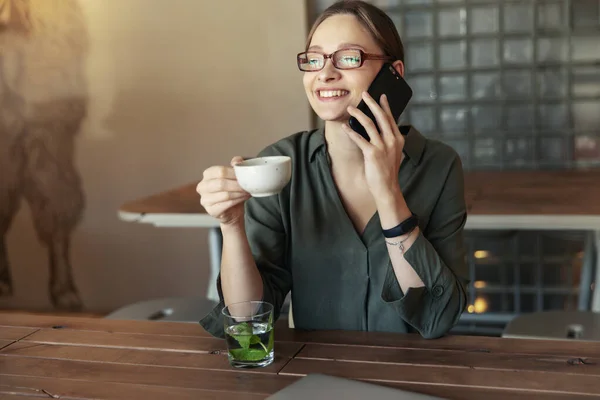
[(318, 386)]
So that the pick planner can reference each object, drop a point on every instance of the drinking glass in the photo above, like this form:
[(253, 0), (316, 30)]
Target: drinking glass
[(249, 334)]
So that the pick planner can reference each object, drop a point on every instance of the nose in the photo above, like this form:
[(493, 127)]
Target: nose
[(329, 72)]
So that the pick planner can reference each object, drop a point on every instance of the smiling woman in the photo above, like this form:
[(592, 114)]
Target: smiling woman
[(368, 234)]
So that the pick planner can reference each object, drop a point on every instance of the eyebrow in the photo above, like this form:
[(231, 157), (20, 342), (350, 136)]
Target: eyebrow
[(341, 46)]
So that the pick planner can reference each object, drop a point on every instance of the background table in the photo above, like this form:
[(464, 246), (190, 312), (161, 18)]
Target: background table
[(533, 200), (84, 358)]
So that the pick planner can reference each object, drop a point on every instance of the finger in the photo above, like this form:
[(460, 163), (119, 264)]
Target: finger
[(218, 185), (393, 133), (399, 137), (360, 141), (381, 116), (223, 185), (367, 123), (219, 209), (211, 199), (385, 105), (219, 172), (236, 160)]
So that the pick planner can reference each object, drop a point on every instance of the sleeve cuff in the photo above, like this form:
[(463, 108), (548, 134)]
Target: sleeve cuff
[(213, 322), (405, 303), (420, 306)]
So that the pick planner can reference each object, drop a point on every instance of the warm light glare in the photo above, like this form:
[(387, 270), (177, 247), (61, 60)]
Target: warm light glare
[(480, 305), (479, 254), (479, 284)]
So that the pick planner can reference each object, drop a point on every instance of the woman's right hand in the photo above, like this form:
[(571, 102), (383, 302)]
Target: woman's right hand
[(221, 194)]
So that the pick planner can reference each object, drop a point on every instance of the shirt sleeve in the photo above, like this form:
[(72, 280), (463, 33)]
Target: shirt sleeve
[(267, 239), (438, 256), (268, 243)]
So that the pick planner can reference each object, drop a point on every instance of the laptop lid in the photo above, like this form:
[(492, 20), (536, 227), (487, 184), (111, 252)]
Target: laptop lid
[(319, 386)]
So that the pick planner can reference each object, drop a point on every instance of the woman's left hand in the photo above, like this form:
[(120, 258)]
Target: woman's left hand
[(383, 154)]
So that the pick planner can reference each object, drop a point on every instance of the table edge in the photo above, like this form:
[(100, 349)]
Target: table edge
[(474, 221)]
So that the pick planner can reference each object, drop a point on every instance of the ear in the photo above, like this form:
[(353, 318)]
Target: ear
[(399, 65)]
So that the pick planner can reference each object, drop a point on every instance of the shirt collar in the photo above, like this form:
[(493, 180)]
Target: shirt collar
[(414, 143), (315, 142)]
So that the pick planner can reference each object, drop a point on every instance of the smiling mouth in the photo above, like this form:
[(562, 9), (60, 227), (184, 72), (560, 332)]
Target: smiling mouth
[(331, 94)]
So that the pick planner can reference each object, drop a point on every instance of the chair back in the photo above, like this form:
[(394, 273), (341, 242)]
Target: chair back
[(559, 325)]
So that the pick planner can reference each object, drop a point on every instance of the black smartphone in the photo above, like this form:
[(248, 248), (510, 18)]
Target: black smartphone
[(389, 82)]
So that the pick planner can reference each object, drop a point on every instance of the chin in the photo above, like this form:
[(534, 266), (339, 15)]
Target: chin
[(332, 115), (334, 118)]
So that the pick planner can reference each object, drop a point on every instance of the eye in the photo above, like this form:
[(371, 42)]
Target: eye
[(348, 59), (314, 60)]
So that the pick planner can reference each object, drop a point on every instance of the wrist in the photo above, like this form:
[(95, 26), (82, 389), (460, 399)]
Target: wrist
[(233, 227), (389, 197), (392, 210)]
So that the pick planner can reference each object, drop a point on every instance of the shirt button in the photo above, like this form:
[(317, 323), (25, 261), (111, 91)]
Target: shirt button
[(437, 291)]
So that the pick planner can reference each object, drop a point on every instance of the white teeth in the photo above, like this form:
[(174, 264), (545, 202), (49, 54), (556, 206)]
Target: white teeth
[(332, 93)]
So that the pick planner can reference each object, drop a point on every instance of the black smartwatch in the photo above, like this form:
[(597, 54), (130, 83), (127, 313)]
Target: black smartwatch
[(406, 226)]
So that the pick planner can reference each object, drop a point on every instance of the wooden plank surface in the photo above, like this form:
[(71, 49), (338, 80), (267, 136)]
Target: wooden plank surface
[(127, 340), (282, 333), (183, 199), (14, 333), (139, 359), (477, 344), (170, 343), (66, 389), (486, 192), (6, 396), (575, 192), (34, 322), (4, 343), (507, 379), (237, 381), (77, 389), (194, 358), (453, 359)]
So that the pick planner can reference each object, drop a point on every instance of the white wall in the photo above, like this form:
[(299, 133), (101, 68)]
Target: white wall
[(175, 86)]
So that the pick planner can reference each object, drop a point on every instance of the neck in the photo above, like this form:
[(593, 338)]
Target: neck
[(345, 155)]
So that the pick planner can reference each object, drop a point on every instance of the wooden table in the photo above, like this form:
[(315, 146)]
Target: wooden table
[(84, 358), (536, 200)]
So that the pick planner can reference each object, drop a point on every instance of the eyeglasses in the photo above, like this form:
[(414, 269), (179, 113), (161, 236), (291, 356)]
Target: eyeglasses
[(311, 61)]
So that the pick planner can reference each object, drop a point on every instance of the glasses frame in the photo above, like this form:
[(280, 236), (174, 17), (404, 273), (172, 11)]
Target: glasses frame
[(363, 57)]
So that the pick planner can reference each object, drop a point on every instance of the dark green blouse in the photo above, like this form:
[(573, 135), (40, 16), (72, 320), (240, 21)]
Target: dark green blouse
[(303, 240)]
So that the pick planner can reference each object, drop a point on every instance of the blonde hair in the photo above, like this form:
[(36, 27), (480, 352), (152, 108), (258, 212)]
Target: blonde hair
[(377, 23)]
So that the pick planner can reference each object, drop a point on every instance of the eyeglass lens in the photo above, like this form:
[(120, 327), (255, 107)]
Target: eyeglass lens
[(342, 59)]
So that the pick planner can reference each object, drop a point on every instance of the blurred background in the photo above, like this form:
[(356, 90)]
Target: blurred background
[(170, 88)]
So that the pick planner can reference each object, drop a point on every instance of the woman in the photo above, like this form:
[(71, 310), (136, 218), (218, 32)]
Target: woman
[(368, 235)]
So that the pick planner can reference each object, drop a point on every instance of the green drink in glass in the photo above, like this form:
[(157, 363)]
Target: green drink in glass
[(249, 334)]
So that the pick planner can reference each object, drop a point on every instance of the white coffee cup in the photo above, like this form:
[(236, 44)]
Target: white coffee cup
[(264, 176)]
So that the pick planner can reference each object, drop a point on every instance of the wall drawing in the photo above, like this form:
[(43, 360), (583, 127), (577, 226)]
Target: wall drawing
[(43, 101)]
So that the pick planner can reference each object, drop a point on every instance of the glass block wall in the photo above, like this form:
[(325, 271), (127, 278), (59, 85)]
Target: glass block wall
[(509, 85)]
